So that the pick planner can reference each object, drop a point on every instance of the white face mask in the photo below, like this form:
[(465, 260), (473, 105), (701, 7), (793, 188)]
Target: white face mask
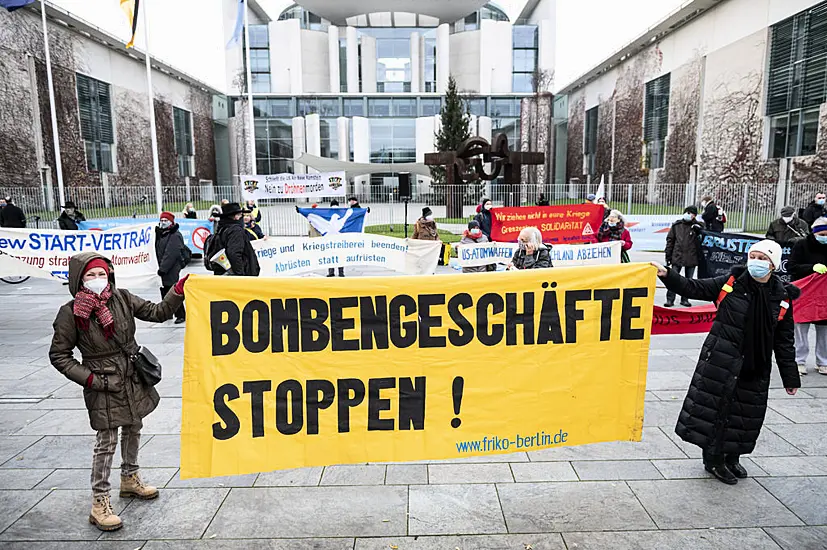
[(429, 218), (96, 285), (165, 224), (488, 207), (787, 219)]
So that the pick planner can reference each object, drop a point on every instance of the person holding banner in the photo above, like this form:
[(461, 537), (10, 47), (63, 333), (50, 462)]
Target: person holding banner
[(614, 229), (726, 403), (100, 323), (474, 235), (532, 252), (809, 256), (683, 249)]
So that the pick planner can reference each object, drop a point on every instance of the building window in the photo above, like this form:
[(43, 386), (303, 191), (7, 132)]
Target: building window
[(429, 106), (393, 58), (273, 108), (322, 107), (342, 65), (259, 58), (354, 107), (274, 146), (430, 62), (590, 139), (392, 107), (656, 120), (502, 107), (476, 106), (182, 128), (525, 44), (95, 109), (797, 82)]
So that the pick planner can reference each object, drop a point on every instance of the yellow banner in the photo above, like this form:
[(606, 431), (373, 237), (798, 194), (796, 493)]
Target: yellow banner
[(294, 372)]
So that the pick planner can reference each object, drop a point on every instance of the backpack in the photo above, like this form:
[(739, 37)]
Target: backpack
[(211, 247), (186, 255)]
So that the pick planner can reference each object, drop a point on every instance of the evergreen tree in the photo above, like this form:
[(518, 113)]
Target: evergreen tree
[(454, 129)]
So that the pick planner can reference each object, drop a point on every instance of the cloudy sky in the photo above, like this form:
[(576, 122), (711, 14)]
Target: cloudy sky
[(188, 34)]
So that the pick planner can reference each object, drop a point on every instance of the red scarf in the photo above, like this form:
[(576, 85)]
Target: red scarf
[(87, 303)]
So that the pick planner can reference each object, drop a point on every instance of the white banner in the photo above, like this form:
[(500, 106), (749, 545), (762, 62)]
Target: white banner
[(649, 232), (562, 255), (286, 257), (293, 186), (47, 252)]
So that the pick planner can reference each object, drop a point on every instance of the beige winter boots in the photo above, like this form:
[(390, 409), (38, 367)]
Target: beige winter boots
[(102, 515), (133, 486)]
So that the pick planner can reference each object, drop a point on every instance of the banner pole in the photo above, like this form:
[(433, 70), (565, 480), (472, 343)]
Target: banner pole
[(52, 108), (151, 104)]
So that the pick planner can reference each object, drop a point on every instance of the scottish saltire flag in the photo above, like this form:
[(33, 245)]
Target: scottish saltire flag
[(12, 5), (330, 221), (239, 26)]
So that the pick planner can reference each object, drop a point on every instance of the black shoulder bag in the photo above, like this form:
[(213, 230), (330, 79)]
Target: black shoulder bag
[(146, 365)]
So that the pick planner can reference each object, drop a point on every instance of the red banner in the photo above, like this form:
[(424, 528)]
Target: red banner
[(685, 320), (566, 224), (811, 306)]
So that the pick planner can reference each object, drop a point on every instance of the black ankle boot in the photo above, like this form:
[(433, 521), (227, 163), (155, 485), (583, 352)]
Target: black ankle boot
[(737, 470), (721, 472)]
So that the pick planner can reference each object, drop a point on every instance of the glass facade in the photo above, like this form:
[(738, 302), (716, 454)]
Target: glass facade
[(471, 22), (525, 43), (259, 58), (307, 20)]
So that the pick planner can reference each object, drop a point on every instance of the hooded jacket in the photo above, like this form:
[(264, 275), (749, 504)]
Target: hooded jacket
[(683, 244), (169, 248), (125, 400), (724, 408)]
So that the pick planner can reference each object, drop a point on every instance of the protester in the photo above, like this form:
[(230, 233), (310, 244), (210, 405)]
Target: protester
[(233, 239), (215, 217), (483, 217), (606, 208), (173, 255), (807, 257), (816, 209), (2, 203), (12, 216), (532, 252), (474, 235), (725, 406), (353, 202), (788, 227), (590, 198), (70, 217), (713, 216), (100, 323), (331, 272), (425, 228), (683, 249), (189, 212), (254, 231), (254, 211), (614, 229), (542, 200)]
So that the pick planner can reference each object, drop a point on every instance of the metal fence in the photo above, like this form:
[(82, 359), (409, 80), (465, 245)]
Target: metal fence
[(750, 207)]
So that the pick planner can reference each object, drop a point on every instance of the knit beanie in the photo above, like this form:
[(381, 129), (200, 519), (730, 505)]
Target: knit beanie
[(97, 262), (771, 248), (820, 224), (168, 216)]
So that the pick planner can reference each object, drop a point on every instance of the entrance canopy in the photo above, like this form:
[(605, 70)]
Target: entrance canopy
[(355, 169)]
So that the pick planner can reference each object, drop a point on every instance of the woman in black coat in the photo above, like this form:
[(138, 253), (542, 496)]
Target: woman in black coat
[(725, 406), (483, 217)]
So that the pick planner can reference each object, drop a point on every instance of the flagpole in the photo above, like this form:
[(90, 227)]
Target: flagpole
[(58, 164), (151, 101), (252, 132)]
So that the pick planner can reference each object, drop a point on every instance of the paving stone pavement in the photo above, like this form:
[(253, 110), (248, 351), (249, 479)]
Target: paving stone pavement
[(649, 495)]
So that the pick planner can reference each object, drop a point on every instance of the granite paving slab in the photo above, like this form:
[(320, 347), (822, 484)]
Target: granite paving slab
[(805, 496), (175, 514), (471, 542), (354, 474), (543, 471), (702, 539), (469, 473), (406, 474), (55, 451), (612, 470), (455, 509), (799, 538), (80, 478), (306, 477)]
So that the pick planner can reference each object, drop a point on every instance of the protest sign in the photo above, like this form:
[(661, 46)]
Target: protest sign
[(195, 232), (562, 255), (329, 221), (293, 186), (288, 373), (687, 320), (649, 232), (811, 306), (131, 250), (721, 251), (571, 223), (286, 257)]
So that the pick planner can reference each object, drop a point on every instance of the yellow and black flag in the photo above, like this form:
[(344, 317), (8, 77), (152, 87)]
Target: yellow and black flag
[(130, 8)]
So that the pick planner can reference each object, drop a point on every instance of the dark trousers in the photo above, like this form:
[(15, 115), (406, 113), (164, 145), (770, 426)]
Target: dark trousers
[(180, 313), (331, 272), (717, 460), (689, 272)]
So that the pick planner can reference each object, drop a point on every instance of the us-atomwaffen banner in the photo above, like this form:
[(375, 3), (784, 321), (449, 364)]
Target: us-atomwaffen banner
[(562, 255), (287, 373)]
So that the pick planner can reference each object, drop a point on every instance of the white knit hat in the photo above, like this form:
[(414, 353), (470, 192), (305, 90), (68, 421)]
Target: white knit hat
[(771, 248)]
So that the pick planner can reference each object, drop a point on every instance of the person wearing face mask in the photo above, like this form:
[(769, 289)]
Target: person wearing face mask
[(254, 231), (173, 255), (483, 217), (233, 239), (809, 256), (425, 228), (254, 211), (189, 212), (816, 209), (607, 210), (70, 217), (100, 323), (614, 229), (683, 249), (726, 403), (215, 217), (788, 228), (532, 252), (474, 235)]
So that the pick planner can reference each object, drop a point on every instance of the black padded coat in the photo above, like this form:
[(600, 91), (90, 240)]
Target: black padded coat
[(723, 411)]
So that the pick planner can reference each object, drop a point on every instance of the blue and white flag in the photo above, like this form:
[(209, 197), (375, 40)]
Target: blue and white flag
[(12, 5), (239, 26), (329, 221)]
